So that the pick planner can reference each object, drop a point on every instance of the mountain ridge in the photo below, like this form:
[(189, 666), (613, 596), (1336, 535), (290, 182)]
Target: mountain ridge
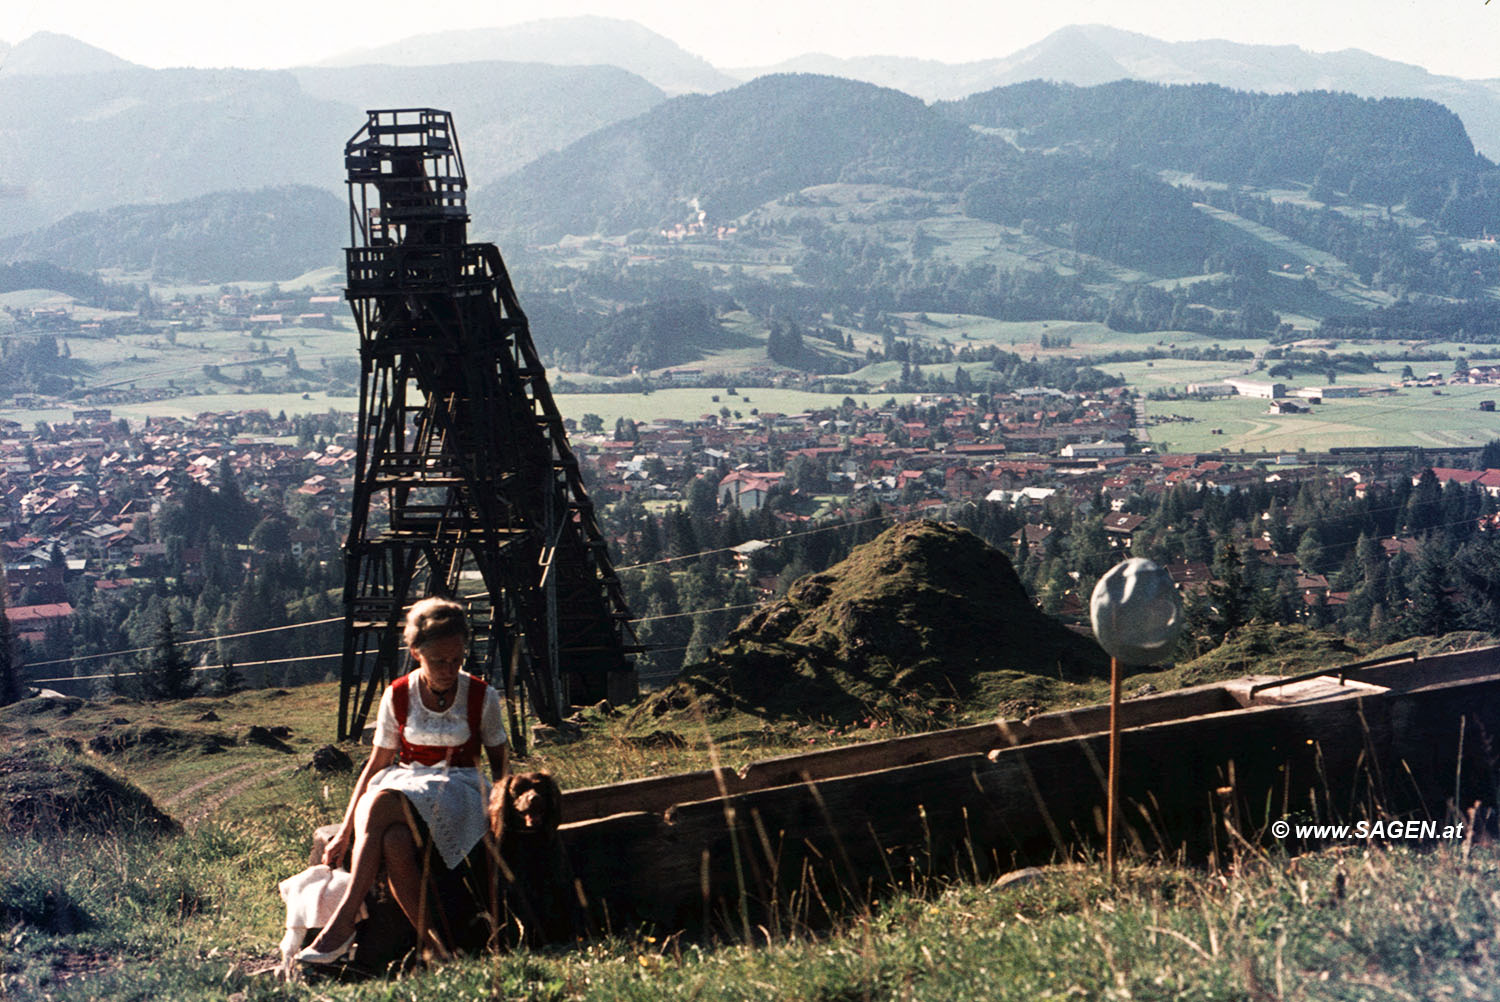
[(569, 41), (1231, 135), (507, 113), (92, 141), (48, 53), (1113, 53), (1082, 54), (1058, 163)]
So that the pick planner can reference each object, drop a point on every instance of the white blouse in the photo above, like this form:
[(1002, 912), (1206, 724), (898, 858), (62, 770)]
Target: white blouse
[(449, 728)]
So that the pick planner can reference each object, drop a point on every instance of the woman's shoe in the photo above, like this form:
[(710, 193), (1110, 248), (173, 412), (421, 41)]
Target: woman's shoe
[(310, 956)]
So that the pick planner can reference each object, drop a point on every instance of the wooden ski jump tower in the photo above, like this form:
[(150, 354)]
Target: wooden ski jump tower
[(464, 483)]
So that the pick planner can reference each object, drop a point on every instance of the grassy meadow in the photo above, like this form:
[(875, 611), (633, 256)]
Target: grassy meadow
[(688, 404), (96, 908), (175, 370), (1414, 416), (189, 407)]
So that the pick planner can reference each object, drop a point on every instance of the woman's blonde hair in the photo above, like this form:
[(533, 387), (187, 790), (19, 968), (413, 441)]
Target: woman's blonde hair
[(433, 619)]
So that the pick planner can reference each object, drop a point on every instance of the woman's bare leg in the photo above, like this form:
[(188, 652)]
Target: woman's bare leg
[(387, 813), (403, 871)]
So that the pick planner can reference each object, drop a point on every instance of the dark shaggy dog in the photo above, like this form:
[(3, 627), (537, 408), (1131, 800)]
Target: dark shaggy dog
[(532, 886), (525, 801)]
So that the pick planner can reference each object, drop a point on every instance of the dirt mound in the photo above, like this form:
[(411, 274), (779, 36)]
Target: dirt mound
[(50, 703), (330, 759), (269, 737), (60, 793), (913, 625), (155, 738)]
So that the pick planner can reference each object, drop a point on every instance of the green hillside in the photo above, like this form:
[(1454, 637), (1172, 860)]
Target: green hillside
[(270, 234), (723, 154)]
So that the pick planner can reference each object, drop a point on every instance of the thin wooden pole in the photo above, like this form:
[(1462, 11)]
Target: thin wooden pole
[(1114, 765)]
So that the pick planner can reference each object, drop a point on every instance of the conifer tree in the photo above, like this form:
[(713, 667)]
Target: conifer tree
[(168, 674), (229, 681), (1431, 613), (235, 514), (10, 671), (1489, 456), (1229, 592)]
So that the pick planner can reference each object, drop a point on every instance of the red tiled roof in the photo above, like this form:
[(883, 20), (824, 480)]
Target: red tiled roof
[(1447, 473), (25, 615)]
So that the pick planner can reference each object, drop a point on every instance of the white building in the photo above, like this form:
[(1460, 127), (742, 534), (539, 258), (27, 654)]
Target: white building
[(1024, 496), (1093, 450), (1251, 388), (1327, 392)]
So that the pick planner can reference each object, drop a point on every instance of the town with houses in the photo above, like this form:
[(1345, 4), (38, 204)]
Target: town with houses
[(79, 497)]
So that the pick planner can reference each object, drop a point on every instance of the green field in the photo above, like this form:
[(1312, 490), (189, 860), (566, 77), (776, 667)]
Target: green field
[(683, 404), (31, 299), (153, 363), (326, 280), (1084, 338), (191, 406), (895, 214), (689, 404), (962, 240), (1173, 373), (149, 361), (1168, 373), (1409, 417)]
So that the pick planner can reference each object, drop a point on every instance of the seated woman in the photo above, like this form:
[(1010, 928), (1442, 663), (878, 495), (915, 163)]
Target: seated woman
[(428, 732)]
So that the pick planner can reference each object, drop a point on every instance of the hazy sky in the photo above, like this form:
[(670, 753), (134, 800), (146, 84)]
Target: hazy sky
[(1455, 37)]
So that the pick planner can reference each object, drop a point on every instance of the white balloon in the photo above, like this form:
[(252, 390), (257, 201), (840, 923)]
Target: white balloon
[(1136, 611)]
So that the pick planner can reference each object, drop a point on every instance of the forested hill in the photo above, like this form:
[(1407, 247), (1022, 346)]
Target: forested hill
[(727, 153), (1061, 169), (274, 233), (1386, 150)]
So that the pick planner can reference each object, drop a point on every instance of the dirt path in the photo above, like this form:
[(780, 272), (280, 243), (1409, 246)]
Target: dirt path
[(201, 810), (219, 777)]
